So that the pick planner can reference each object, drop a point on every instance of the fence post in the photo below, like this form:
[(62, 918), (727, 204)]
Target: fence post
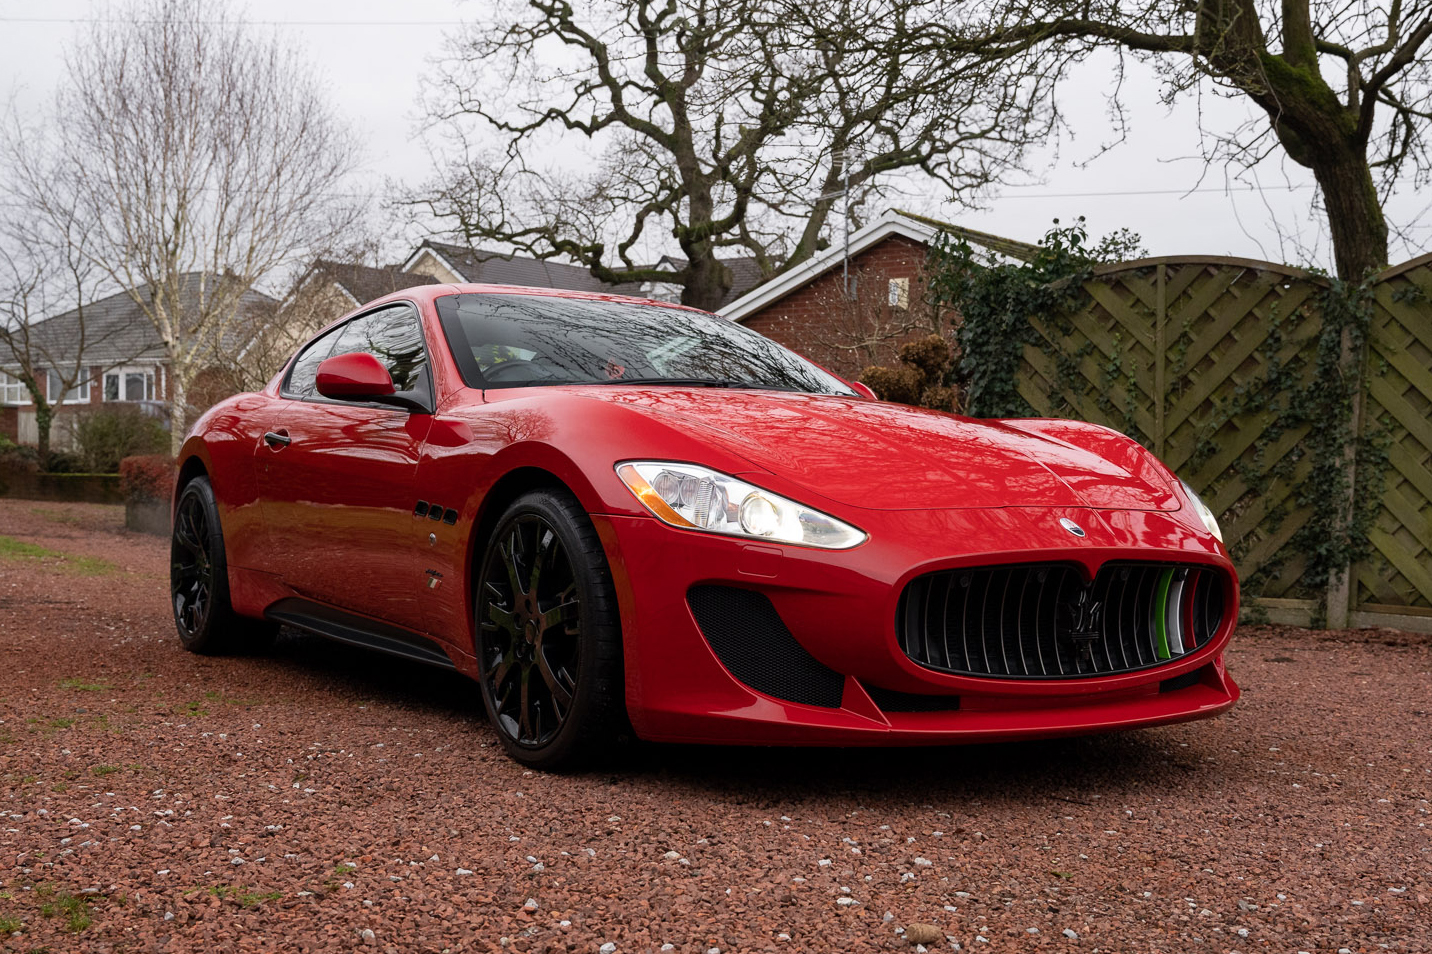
[(1160, 358), (1340, 584)]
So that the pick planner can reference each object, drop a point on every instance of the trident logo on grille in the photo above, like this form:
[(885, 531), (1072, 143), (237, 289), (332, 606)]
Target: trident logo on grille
[(1082, 615)]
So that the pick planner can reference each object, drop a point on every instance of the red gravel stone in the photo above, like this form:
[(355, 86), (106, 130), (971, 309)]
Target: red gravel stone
[(364, 795)]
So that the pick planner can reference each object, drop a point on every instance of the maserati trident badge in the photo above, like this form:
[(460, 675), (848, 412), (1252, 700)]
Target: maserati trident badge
[(1071, 526), (1082, 614)]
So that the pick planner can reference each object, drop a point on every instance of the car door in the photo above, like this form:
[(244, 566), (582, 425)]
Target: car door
[(337, 477)]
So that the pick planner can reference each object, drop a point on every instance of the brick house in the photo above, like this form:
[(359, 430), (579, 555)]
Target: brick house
[(454, 263), (126, 358), (121, 350), (849, 307)]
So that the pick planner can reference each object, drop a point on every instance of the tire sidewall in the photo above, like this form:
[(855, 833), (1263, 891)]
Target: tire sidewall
[(588, 578), (205, 639)]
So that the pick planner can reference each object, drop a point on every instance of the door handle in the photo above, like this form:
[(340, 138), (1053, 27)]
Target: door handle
[(277, 439)]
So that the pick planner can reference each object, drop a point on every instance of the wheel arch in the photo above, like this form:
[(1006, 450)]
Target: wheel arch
[(497, 499), (193, 462)]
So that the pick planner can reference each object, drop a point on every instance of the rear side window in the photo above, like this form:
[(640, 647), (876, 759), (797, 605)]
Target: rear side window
[(303, 377)]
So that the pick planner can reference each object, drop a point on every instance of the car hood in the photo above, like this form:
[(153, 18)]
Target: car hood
[(885, 456)]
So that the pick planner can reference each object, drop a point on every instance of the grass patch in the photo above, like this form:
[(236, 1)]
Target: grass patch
[(10, 925), (12, 549), (103, 770), (214, 696), (244, 896), (56, 516), (74, 910), (82, 686), (64, 722), (193, 709)]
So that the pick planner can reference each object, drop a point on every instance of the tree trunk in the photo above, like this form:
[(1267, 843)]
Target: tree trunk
[(178, 413), (707, 283), (1354, 213), (44, 420)]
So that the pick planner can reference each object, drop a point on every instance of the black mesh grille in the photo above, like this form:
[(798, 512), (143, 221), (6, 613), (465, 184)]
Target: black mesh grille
[(751, 641), (1041, 620)]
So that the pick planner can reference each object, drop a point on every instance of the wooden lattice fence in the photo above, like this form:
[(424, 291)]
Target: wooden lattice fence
[(1399, 405), (1203, 360)]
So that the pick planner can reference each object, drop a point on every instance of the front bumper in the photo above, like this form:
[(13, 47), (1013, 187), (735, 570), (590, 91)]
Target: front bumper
[(840, 607)]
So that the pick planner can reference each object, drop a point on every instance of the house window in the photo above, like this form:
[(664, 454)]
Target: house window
[(12, 391), (899, 294), (79, 394), (129, 384)]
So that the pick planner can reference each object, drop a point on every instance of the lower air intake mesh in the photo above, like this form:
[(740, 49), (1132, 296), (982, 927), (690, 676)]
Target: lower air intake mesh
[(749, 638)]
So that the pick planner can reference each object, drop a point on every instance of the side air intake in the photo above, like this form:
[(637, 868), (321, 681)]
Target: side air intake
[(749, 638)]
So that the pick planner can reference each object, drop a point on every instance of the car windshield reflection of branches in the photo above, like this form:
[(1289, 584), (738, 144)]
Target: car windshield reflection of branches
[(521, 341)]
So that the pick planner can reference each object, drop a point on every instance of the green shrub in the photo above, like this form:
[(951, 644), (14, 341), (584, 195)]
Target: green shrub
[(17, 458), (110, 433), (66, 462)]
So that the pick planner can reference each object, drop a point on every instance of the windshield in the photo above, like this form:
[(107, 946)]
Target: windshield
[(508, 341)]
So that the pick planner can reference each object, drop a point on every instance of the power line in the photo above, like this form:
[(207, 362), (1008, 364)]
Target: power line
[(1123, 192), (355, 23)]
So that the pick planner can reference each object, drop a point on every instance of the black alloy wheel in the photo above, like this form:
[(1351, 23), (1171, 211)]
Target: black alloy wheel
[(548, 639), (191, 574), (199, 579)]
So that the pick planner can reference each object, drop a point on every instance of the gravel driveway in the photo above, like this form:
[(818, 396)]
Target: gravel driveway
[(322, 799)]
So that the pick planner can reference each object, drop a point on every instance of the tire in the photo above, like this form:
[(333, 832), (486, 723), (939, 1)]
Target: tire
[(199, 580), (548, 635)]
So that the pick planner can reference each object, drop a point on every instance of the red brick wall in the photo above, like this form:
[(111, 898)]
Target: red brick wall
[(817, 321), (10, 423)]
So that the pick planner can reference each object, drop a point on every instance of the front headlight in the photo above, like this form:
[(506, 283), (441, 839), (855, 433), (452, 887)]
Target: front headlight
[(697, 498), (1209, 520)]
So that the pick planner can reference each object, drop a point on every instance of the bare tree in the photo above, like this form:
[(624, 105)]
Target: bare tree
[(206, 159), (1344, 86), (44, 271), (262, 346), (730, 126)]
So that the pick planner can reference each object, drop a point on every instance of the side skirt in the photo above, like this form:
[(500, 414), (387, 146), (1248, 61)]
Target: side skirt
[(355, 630)]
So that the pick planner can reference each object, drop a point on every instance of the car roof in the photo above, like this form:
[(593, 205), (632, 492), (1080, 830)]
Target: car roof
[(429, 293)]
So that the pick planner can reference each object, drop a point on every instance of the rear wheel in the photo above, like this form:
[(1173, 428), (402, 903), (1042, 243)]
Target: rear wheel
[(548, 634), (199, 580)]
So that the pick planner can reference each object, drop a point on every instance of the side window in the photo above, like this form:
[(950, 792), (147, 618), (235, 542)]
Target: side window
[(302, 380), (395, 336)]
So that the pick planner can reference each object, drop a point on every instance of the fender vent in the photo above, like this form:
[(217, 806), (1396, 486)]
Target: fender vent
[(747, 635)]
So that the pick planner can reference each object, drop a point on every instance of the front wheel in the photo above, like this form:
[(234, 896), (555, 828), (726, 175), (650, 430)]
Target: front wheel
[(548, 634), (199, 580)]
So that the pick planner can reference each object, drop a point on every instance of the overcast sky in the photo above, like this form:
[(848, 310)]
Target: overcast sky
[(372, 54)]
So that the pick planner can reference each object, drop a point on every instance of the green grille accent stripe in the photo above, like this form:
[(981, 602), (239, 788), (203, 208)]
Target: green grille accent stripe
[(1161, 614)]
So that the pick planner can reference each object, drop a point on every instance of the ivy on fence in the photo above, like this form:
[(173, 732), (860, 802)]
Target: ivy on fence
[(1332, 473)]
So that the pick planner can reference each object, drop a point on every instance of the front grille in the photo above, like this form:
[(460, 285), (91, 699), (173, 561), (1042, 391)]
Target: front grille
[(753, 643), (1043, 621)]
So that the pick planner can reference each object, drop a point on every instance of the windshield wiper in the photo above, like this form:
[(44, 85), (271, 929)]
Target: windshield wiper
[(700, 383), (682, 382)]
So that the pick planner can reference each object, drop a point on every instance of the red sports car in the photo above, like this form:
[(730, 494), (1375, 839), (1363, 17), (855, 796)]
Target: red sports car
[(610, 513)]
